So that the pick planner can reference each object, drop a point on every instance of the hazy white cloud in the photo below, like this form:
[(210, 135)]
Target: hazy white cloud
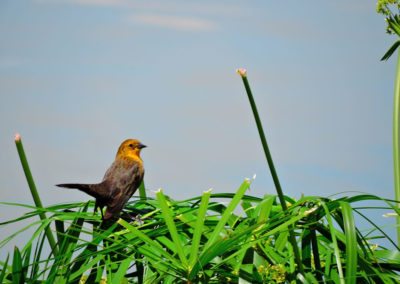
[(174, 22), (99, 2), (86, 2), (172, 6)]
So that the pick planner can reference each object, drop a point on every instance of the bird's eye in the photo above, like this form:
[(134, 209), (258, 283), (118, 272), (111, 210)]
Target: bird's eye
[(130, 145)]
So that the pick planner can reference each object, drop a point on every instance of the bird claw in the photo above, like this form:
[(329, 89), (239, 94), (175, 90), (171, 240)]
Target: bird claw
[(136, 218), (133, 218)]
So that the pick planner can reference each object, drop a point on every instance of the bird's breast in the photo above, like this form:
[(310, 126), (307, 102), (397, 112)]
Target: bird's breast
[(125, 173)]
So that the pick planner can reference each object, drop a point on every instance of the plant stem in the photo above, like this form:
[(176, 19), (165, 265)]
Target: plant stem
[(142, 191), (396, 141), (34, 192), (268, 156)]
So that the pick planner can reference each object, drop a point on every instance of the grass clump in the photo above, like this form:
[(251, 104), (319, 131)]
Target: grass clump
[(202, 240)]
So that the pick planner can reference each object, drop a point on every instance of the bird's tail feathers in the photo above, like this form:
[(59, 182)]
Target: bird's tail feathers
[(94, 190), (81, 186)]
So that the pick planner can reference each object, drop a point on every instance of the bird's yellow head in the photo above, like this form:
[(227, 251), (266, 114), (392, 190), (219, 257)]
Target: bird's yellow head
[(130, 148)]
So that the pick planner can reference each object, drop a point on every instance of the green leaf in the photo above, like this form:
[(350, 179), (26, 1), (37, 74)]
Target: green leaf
[(215, 235), (26, 260), (198, 230), (60, 230), (76, 274), (393, 24), (306, 249), (264, 208), (4, 269), (123, 267), (333, 234), (390, 51), (167, 214), (351, 243), (17, 275), (389, 255), (152, 248)]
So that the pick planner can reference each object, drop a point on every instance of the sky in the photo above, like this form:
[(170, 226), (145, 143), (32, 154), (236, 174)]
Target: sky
[(77, 77)]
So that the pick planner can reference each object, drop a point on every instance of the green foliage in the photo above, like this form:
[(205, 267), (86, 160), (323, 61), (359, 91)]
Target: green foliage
[(386, 7), (204, 240), (390, 9)]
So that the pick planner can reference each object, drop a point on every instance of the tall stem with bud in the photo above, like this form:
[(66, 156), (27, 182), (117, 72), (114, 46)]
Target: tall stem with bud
[(34, 192), (292, 238)]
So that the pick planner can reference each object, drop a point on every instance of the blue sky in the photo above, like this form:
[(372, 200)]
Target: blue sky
[(78, 77)]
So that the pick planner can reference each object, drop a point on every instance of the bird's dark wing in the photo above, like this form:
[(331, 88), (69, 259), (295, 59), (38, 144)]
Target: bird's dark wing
[(123, 176), (123, 180)]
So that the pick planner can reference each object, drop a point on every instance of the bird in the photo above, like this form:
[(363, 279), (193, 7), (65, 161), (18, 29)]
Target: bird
[(120, 181)]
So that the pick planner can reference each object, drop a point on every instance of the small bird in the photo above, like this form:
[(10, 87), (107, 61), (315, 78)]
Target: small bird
[(120, 181)]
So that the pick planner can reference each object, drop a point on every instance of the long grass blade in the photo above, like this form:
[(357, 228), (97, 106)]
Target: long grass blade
[(227, 214), (17, 275), (264, 208), (351, 243), (122, 268), (167, 214), (334, 242), (4, 269), (156, 249), (26, 260), (198, 229)]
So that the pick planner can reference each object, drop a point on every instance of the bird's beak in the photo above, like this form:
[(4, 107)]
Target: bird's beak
[(141, 146)]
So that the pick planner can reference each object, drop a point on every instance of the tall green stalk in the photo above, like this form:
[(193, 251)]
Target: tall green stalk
[(34, 192), (396, 140), (268, 156), (142, 191), (388, 8)]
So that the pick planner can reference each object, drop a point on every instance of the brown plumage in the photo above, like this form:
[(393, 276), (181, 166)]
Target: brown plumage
[(120, 181)]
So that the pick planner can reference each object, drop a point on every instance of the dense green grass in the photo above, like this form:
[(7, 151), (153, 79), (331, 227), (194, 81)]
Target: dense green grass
[(203, 240)]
